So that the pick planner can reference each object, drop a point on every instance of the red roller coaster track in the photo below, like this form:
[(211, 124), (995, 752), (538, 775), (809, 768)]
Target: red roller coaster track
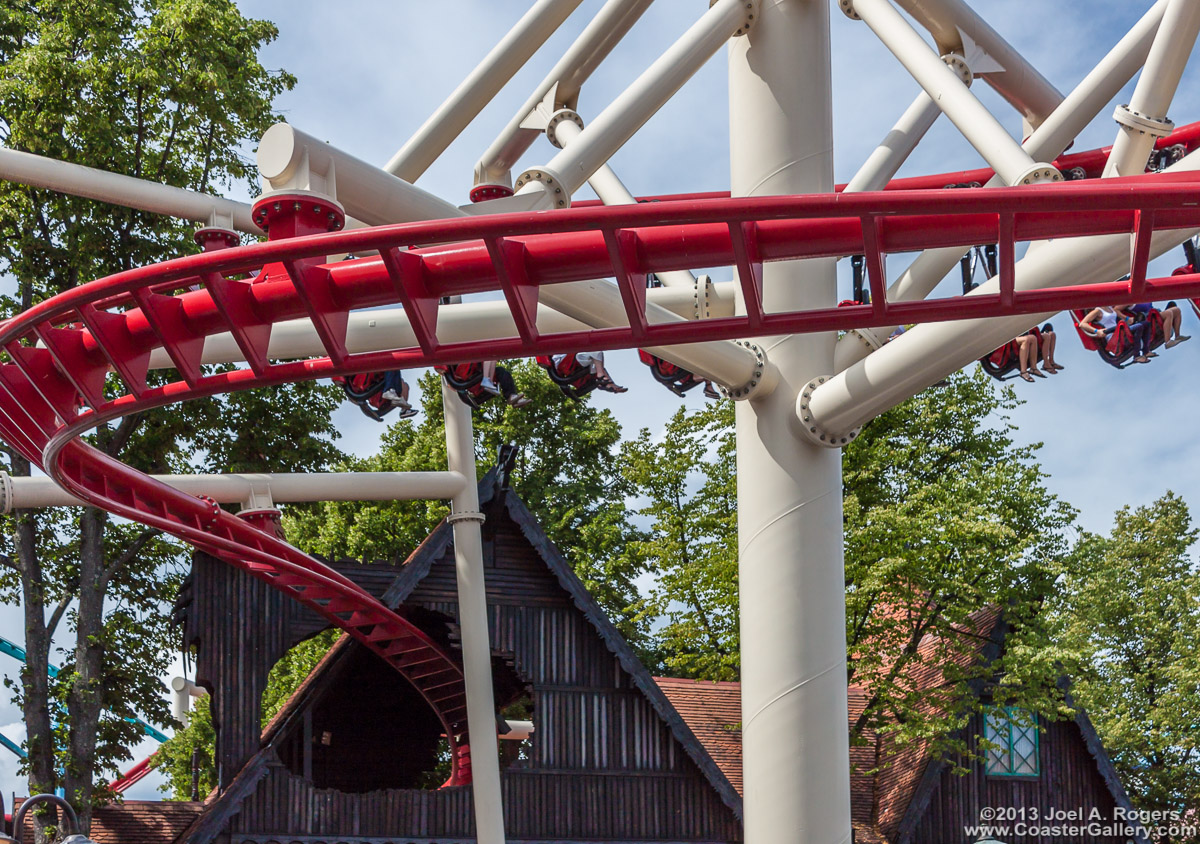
[(53, 389)]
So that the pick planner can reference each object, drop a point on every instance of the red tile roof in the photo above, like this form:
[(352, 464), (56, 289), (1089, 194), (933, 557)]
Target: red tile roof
[(135, 821)]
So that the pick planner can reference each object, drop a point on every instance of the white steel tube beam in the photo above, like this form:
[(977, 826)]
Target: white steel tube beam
[(617, 123), (1048, 141), (883, 162), (127, 191), (596, 41), (290, 159), (791, 582), (953, 23), (252, 490), (370, 331), (478, 89), (1155, 88), (612, 191), (1002, 153), (466, 521)]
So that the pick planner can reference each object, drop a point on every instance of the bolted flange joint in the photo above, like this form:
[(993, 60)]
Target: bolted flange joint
[(748, 19), (701, 296), (557, 118), (1143, 124), (294, 213), (484, 192), (959, 65), (209, 520), (811, 429), (551, 183), (847, 7), (212, 238), (747, 390), (466, 516), (1039, 174)]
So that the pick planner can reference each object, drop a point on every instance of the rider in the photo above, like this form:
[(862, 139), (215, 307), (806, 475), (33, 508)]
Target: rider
[(1049, 341), (494, 375), (1101, 322), (594, 361), (395, 392)]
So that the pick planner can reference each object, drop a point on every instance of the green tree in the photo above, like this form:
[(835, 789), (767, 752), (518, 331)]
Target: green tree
[(944, 517), (167, 90), (1132, 608), (564, 472), (688, 482)]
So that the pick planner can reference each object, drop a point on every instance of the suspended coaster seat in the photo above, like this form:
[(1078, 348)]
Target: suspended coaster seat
[(366, 391), (572, 377), (1005, 362), (675, 378), (1119, 348), (466, 379)]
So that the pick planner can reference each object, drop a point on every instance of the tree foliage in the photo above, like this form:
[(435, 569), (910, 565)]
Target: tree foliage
[(166, 90), (1132, 608)]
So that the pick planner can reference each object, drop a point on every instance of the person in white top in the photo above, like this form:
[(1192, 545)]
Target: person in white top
[(1103, 321)]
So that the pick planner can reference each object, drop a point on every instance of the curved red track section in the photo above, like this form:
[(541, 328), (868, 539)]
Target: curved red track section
[(62, 351)]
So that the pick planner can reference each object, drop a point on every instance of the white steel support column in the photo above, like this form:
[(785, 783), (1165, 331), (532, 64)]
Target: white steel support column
[(885, 159), (1048, 141), (955, 26), (472, 621), (478, 89), (1144, 120), (1002, 153), (792, 590), (617, 123), (612, 191)]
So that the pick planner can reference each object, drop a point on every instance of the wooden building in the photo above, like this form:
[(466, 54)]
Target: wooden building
[(616, 756)]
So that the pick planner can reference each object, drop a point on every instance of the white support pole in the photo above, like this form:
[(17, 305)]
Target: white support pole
[(1144, 120), (127, 191), (612, 191), (883, 162), (1048, 141), (478, 89), (791, 582), (596, 41), (616, 124), (1001, 151), (473, 624), (956, 27), (258, 490), (291, 160), (370, 331)]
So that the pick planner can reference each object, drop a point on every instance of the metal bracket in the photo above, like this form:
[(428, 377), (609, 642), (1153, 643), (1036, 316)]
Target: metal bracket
[(466, 516), (810, 427), (747, 390)]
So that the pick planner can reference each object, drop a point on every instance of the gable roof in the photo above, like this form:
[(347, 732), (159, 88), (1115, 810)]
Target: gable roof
[(219, 808)]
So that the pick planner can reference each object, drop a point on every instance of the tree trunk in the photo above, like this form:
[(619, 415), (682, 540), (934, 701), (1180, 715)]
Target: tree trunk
[(84, 702)]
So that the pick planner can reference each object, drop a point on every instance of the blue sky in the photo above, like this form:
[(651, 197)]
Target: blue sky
[(371, 71)]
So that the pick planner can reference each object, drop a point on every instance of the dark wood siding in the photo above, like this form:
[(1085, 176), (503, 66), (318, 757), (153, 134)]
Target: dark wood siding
[(603, 765), (1069, 781)]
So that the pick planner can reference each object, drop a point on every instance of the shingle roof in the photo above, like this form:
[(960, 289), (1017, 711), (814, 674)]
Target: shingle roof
[(134, 822)]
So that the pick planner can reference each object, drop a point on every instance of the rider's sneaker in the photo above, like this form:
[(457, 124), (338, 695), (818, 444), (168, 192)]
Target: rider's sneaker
[(488, 385)]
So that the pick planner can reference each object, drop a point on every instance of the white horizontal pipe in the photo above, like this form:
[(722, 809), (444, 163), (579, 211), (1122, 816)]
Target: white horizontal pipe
[(927, 353), (286, 157), (127, 191), (1001, 151), (883, 162), (646, 95), (1019, 82), (478, 89), (518, 730), (1156, 86), (1047, 142), (612, 191), (388, 328), (246, 488), (596, 41)]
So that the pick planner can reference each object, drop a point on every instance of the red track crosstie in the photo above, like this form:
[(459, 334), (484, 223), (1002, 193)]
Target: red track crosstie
[(63, 353)]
